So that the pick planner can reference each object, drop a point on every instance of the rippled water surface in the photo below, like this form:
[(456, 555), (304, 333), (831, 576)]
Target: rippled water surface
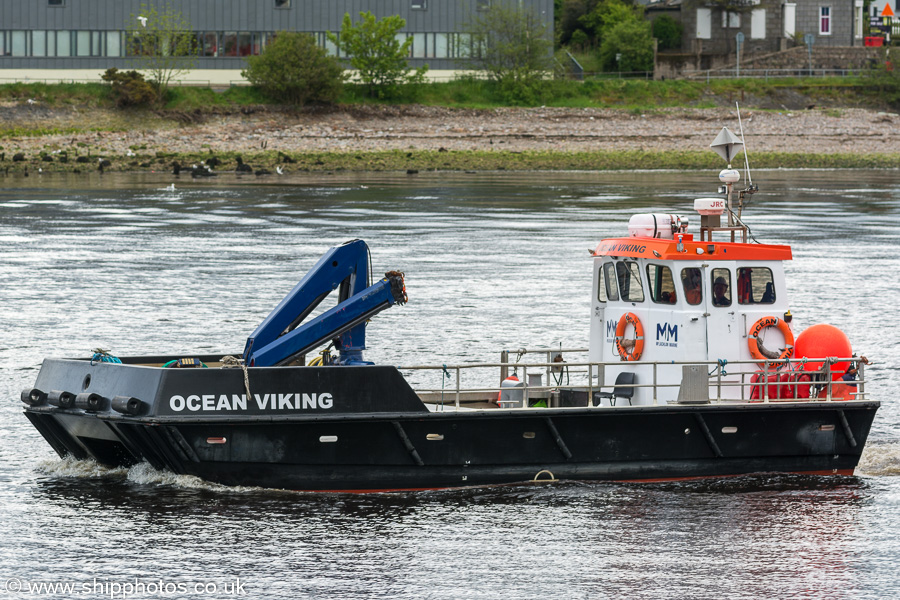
[(493, 261)]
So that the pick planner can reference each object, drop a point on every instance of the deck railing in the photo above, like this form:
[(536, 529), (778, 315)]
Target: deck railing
[(755, 381)]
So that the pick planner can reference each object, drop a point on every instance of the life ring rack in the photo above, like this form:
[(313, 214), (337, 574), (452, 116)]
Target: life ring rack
[(758, 351), (637, 348)]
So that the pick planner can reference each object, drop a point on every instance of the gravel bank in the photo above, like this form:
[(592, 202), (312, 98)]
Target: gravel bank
[(361, 129)]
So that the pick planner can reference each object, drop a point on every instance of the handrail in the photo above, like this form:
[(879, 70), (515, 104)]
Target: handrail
[(820, 379)]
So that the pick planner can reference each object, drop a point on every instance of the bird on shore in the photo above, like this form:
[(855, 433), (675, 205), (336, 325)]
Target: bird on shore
[(279, 170), (201, 171), (241, 167), (260, 172), (213, 162), (102, 163)]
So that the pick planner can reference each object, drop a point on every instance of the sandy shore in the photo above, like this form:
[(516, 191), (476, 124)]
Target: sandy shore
[(361, 129)]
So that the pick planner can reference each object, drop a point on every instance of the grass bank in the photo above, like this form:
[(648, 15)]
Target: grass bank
[(451, 161), (876, 91)]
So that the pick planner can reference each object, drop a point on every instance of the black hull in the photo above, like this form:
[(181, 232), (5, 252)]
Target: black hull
[(392, 452)]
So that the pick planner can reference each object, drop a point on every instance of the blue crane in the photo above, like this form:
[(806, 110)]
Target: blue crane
[(283, 337)]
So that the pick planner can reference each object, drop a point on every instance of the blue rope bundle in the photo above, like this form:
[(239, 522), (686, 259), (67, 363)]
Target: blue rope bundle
[(104, 356)]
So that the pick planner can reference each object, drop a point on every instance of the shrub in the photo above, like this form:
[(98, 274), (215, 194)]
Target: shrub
[(129, 88), (296, 70)]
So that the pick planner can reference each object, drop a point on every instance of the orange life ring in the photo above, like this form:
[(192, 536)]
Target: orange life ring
[(756, 346), (638, 348)]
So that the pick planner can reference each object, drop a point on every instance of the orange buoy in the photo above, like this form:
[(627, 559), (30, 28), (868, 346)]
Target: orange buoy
[(636, 345), (821, 341)]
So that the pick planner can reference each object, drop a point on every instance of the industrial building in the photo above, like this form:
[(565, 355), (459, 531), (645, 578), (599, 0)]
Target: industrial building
[(79, 39)]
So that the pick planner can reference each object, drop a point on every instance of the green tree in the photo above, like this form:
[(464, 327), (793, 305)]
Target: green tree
[(569, 15), (627, 46), (668, 32), (511, 44), (162, 44), (374, 50), (296, 70)]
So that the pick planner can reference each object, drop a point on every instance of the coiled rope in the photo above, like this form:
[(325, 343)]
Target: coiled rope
[(101, 355)]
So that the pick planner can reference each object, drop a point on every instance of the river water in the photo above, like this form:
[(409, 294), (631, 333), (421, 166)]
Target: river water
[(493, 261)]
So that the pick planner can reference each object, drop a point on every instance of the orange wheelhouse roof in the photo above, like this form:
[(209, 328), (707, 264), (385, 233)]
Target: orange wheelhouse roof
[(693, 250)]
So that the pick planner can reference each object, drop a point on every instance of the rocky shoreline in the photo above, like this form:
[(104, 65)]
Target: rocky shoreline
[(138, 141)]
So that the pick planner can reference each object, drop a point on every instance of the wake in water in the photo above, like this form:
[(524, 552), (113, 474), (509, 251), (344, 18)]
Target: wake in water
[(880, 459), (141, 474)]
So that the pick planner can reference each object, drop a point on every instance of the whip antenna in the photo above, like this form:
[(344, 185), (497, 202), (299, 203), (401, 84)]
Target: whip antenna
[(746, 159)]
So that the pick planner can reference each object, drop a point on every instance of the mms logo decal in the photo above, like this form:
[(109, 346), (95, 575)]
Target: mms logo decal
[(666, 334), (610, 330)]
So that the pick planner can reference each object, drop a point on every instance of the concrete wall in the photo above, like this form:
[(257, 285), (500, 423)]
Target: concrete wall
[(672, 66)]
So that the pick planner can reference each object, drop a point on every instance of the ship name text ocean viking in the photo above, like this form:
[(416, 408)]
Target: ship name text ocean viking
[(233, 402)]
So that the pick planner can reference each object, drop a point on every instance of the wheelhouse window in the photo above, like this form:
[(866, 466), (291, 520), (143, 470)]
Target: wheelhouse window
[(419, 4), (629, 275), (692, 282), (56, 2), (721, 285), (609, 280), (601, 286), (661, 284), (824, 20), (755, 285), (282, 3)]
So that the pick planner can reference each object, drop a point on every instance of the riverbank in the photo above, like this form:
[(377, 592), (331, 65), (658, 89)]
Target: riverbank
[(413, 137)]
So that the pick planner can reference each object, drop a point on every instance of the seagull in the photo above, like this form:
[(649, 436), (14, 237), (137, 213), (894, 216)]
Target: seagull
[(130, 153), (170, 187), (279, 170), (143, 21)]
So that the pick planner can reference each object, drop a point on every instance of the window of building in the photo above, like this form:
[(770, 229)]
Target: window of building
[(482, 4), (229, 44), (721, 285), (755, 286), (691, 281), (18, 47), (630, 281), (609, 276), (419, 47), (419, 4), (245, 43), (824, 20), (661, 284), (82, 43), (56, 2), (64, 43), (441, 45), (282, 3), (704, 23), (731, 20), (39, 43), (113, 43)]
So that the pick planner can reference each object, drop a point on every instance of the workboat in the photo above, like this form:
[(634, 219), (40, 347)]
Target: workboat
[(692, 370)]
